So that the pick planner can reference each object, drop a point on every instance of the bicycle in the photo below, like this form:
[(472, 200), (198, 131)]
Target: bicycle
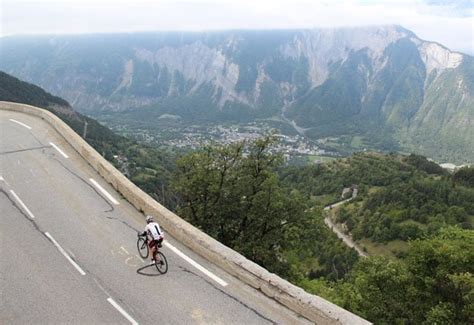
[(161, 263)]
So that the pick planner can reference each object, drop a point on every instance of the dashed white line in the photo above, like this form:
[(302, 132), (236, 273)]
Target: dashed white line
[(196, 265), (103, 191), (123, 312), (22, 124), (81, 271), (22, 204), (59, 150), (4, 180)]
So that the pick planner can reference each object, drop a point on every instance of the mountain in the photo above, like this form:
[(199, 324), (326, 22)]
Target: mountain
[(148, 168), (15, 90), (381, 83)]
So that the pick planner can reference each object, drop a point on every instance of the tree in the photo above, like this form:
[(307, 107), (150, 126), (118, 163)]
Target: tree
[(465, 176), (433, 284), (383, 290), (443, 269), (233, 194)]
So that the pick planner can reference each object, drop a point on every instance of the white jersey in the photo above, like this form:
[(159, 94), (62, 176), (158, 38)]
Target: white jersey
[(154, 231)]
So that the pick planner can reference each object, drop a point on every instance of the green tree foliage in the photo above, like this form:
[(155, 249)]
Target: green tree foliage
[(400, 197), (236, 197), (15, 90), (434, 284), (234, 194), (421, 163), (382, 290), (464, 176), (443, 269)]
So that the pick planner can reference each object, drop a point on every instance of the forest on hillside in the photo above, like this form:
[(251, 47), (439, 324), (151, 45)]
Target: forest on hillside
[(400, 197), (247, 198)]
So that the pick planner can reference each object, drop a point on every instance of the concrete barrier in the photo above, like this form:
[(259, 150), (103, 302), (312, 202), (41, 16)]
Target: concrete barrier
[(310, 306)]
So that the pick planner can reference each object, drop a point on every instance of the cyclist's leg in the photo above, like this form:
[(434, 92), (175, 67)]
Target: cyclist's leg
[(152, 246), (158, 245)]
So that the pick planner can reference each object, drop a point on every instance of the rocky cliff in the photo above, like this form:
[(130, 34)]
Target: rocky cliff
[(378, 81)]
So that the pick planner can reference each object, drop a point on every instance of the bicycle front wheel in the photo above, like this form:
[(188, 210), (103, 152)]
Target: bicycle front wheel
[(142, 247), (162, 263)]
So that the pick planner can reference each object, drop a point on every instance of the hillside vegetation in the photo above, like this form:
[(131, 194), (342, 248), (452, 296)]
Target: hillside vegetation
[(243, 196), (399, 197)]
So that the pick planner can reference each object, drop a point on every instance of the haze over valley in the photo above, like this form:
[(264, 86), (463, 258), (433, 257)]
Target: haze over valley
[(372, 88)]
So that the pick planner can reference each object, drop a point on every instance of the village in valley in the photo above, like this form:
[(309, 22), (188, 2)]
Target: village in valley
[(195, 137)]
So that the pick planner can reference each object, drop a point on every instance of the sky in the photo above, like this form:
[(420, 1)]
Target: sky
[(449, 22)]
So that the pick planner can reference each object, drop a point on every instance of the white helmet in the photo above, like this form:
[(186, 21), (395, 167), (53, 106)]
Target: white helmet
[(149, 219)]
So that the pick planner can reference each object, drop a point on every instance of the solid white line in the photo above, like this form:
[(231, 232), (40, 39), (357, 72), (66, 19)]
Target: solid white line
[(65, 254), (123, 312), (59, 150), (196, 265), (22, 204), (22, 124), (103, 191)]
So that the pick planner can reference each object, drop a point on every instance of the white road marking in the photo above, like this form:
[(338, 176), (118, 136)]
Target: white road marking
[(22, 204), (123, 312), (59, 150), (4, 180), (22, 124), (65, 254), (103, 191), (140, 258), (196, 265), (123, 248), (127, 260)]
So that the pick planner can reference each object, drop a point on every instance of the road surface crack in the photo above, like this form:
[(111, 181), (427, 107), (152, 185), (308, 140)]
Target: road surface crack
[(88, 184), (124, 222), (23, 150)]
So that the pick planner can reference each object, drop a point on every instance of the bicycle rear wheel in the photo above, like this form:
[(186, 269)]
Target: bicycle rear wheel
[(162, 263), (142, 247)]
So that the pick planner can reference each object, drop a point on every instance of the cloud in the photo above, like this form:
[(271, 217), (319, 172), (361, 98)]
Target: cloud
[(454, 8), (446, 21)]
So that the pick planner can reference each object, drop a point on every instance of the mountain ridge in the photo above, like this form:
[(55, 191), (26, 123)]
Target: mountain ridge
[(324, 81)]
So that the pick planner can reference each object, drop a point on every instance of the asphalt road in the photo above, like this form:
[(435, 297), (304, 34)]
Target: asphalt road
[(68, 249), (345, 238)]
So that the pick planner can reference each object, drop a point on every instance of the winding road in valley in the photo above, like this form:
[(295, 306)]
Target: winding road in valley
[(345, 238)]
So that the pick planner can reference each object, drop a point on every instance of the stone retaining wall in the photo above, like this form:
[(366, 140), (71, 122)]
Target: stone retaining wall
[(310, 306)]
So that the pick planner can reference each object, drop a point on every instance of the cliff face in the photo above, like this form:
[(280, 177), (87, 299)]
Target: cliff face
[(328, 81)]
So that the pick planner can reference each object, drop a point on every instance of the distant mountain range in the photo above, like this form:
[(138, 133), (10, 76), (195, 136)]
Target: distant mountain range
[(382, 83)]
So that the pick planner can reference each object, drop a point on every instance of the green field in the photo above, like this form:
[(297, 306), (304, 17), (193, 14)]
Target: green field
[(357, 142), (390, 249), (323, 159)]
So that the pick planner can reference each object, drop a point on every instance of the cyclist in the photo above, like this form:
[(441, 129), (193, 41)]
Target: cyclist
[(155, 236)]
